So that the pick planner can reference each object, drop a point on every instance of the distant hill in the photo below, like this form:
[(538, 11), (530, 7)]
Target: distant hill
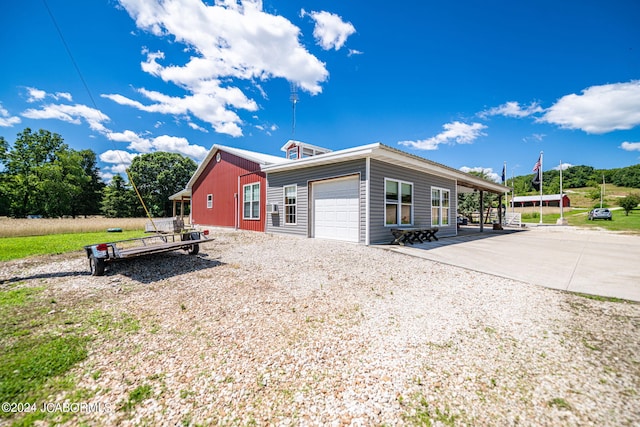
[(578, 177)]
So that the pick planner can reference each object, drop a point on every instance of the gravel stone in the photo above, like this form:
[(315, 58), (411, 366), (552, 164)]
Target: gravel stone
[(275, 330)]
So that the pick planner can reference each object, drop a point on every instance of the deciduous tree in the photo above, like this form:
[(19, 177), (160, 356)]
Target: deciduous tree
[(159, 175), (119, 201), (42, 175), (629, 202)]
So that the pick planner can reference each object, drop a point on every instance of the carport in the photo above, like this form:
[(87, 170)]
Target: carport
[(468, 186)]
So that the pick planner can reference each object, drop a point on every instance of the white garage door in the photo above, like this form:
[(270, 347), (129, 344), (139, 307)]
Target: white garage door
[(336, 209)]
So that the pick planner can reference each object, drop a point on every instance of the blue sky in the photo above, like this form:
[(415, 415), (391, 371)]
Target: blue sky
[(468, 84)]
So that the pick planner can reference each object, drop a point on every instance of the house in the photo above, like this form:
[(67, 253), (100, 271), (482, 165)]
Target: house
[(229, 188), (357, 194), (547, 200)]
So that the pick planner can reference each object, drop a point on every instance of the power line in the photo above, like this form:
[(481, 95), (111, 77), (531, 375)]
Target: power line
[(73, 61), (95, 106)]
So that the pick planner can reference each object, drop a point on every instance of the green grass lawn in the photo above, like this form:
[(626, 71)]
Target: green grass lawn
[(42, 339), (20, 247), (619, 221), (578, 218)]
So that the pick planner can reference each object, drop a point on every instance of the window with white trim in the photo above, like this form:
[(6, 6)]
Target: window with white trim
[(251, 201), (209, 201), (292, 153), (398, 201), (290, 204), (440, 206)]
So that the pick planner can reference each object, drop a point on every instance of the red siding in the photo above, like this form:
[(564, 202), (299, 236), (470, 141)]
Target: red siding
[(254, 224), (221, 180)]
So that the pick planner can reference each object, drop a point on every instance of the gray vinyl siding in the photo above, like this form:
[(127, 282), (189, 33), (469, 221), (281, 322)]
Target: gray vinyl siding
[(422, 183), (303, 178)]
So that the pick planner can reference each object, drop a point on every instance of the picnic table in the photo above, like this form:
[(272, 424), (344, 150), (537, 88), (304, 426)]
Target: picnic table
[(413, 235)]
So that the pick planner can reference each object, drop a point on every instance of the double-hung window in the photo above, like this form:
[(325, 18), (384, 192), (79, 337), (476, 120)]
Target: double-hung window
[(440, 206), (209, 201), (251, 201), (290, 204), (398, 201)]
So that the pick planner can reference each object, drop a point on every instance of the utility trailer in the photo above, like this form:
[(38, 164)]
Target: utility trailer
[(100, 254)]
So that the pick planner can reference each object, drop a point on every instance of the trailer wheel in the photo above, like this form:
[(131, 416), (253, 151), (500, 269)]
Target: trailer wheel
[(96, 265), (194, 249)]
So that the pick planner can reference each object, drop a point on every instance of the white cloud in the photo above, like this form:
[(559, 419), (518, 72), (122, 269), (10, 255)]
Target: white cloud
[(171, 144), (119, 168), (35, 95), (563, 166), (486, 172), (454, 133), (195, 126), (534, 137), (71, 114), (210, 108), (330, 31), (174, 144), (599, 109), (136, 142), (63, 95), (117, 157), (512, 109), (106, 176), (7, 120), (353, 52), (230, 40), (630, 146)]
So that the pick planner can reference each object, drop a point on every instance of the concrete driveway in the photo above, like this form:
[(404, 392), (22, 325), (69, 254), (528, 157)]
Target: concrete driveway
[(560, 257)]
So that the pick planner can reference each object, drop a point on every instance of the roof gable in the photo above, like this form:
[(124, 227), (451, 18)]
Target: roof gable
[(259, 158), (293, 143)]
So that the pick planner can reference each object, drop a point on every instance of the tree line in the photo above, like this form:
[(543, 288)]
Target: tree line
[(578, 177), (41, 175), (572, 177)]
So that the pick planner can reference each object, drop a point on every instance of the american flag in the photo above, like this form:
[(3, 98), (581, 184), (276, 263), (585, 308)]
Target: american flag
[(537, 165)]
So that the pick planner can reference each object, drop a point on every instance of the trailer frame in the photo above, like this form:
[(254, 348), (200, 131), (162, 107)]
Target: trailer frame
[(103, 253)]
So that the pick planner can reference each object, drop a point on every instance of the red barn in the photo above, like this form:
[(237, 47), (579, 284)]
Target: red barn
[(547, 200), (229, 189)]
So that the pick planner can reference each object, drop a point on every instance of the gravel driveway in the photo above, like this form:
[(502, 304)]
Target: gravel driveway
[(271, 330)]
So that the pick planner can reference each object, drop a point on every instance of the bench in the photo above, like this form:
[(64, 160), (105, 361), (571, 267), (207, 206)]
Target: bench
[(413, 235)]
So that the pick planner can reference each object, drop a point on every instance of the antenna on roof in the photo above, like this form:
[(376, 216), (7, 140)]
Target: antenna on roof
[(294, 101)]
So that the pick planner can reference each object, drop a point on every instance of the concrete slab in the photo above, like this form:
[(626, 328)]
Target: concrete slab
[(560, 257)]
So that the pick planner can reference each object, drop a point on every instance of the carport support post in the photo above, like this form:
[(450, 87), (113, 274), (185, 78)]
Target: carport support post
[(481, 211), (500, 210)]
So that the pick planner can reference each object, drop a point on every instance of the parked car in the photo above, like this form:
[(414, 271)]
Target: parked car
[(599, 214)]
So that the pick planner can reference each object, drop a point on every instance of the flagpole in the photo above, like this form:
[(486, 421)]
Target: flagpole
[(541, 187), (561, 220), (561, 198)]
